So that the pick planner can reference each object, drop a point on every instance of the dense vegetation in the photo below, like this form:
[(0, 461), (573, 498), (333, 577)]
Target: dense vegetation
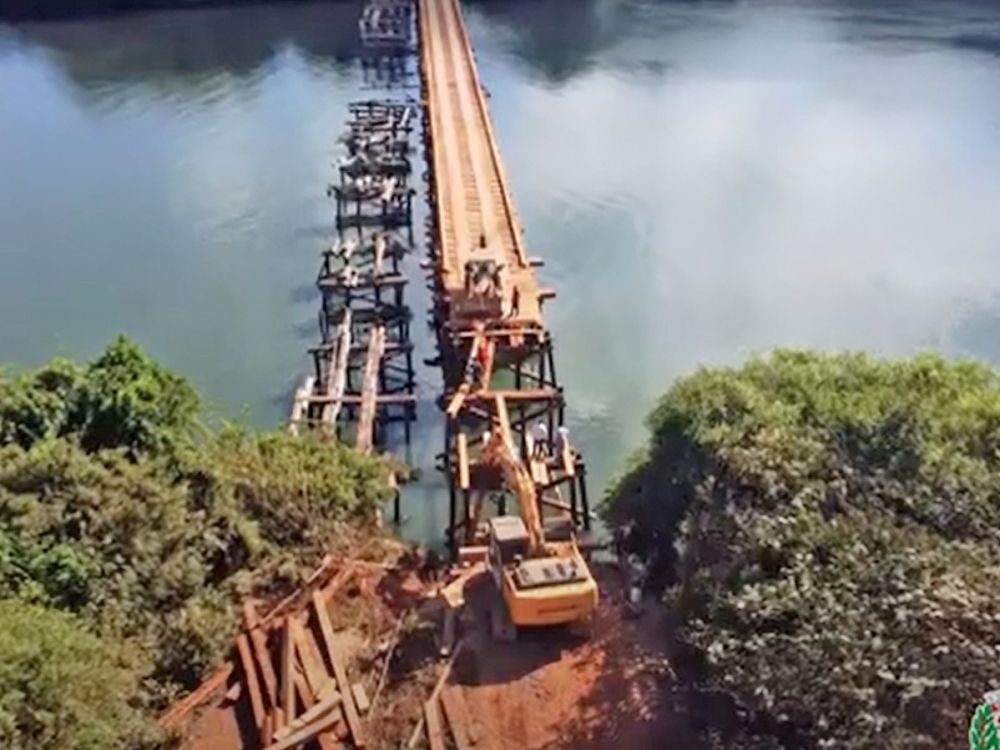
[(128, 532), (825, 532)]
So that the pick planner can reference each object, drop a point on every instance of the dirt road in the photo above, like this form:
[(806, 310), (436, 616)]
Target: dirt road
[(560, 691)]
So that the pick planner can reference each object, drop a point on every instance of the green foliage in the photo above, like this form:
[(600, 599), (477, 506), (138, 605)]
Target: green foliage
[(60, 685), (122, 400), (116, 508), (823, 528)]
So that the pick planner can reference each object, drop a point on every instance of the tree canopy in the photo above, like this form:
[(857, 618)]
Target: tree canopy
[(128, 529), (824, 532)]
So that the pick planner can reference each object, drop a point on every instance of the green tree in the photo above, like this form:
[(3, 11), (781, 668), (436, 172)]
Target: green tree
[(60, 685), (127, 521), (823, 531)]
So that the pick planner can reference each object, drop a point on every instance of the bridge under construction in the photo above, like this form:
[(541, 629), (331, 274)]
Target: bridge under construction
[(305, 673), (496, 355)]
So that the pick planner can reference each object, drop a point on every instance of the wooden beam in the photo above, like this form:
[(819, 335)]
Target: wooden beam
[(457, 400), (387, 398), (336, 376), (259, 639), (458, 717), (462, 447), (304, 735), (362, 281), (527, 394), (340, 580), (503, 416), (339, 672), (391, 347), (181, 709), (568, 461), (287, 671), (380, 245), (498, 332), (435, 732), (438, 687), (328, 700), (366, 420), (491, 352), (253, 685), (300, 403), (311, 659), (326, 740)]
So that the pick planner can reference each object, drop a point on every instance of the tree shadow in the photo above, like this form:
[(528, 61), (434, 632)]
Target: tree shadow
[(631, 700)]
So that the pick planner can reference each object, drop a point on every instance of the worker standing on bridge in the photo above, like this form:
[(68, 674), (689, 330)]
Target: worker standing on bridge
[(562, 439), (483, 358), (539, 440)]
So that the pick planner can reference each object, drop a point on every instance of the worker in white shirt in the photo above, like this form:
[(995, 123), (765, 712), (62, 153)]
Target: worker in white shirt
[(539, 440), (562, 439)]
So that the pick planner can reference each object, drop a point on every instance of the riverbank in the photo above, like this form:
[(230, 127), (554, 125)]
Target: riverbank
[(822, 531)]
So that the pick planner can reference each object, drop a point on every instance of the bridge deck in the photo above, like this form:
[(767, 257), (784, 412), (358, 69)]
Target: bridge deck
[(474, 206)]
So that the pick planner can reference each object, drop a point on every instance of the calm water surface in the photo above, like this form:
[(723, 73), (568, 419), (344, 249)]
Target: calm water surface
[(703, 179)]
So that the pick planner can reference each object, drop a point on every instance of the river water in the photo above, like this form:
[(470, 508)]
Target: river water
[(703, 179)]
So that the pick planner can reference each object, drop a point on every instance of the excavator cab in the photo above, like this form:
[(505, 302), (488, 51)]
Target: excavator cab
[(508, 544)]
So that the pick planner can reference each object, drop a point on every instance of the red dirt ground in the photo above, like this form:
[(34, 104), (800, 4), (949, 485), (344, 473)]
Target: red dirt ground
[(557, 691), (551, 690)]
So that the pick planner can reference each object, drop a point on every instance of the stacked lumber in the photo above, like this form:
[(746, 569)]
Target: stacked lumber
[(448, 702), (291, 673)]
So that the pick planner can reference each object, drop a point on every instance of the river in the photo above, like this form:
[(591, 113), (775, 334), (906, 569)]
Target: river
[(703, 179)]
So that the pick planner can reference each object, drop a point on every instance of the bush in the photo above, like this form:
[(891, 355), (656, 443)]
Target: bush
[(60, 685), (824, 531), (117, 507), (122, 400)]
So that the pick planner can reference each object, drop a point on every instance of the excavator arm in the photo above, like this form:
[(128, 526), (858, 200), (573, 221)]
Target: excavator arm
[(498, 452)]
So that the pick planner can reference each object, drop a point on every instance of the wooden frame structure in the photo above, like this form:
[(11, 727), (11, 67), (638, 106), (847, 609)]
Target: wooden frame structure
[(363, 377), (386, 29), (496, 357)]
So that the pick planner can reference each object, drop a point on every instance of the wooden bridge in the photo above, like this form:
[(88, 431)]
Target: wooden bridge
[(496, 356)]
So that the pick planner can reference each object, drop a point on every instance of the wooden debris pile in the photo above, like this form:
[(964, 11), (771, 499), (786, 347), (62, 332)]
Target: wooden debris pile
[(447, 702), (291, 673)]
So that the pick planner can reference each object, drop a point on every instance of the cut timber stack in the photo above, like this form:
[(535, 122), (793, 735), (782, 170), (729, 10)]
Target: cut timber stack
[(291, 673)]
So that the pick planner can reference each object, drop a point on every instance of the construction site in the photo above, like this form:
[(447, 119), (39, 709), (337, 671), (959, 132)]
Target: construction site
[(531, 633)]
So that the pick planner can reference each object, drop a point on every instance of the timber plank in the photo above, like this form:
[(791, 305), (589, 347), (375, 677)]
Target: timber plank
[(258, 637), (462, 445), (369, 391), (287, 669), (343, 684), (458, 717), (435, 732), (250, 675), (326, 740)]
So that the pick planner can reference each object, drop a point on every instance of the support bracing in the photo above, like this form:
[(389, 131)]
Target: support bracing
[(364, 379)]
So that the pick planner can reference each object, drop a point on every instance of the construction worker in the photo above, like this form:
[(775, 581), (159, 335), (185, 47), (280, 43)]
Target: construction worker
[(474, 373), (539, 440), (562, 439), (483, 358)]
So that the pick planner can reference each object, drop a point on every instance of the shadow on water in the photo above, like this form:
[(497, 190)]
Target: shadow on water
[(174, 47), (304, 294)]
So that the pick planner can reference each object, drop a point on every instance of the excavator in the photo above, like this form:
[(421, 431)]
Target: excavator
[(542, 581)]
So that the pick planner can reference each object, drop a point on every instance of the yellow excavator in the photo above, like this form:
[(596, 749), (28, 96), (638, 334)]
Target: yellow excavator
[(542, 581)]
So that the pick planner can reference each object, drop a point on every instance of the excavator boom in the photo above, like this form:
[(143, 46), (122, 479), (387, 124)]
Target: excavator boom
[(542, 583), (498, 451)]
